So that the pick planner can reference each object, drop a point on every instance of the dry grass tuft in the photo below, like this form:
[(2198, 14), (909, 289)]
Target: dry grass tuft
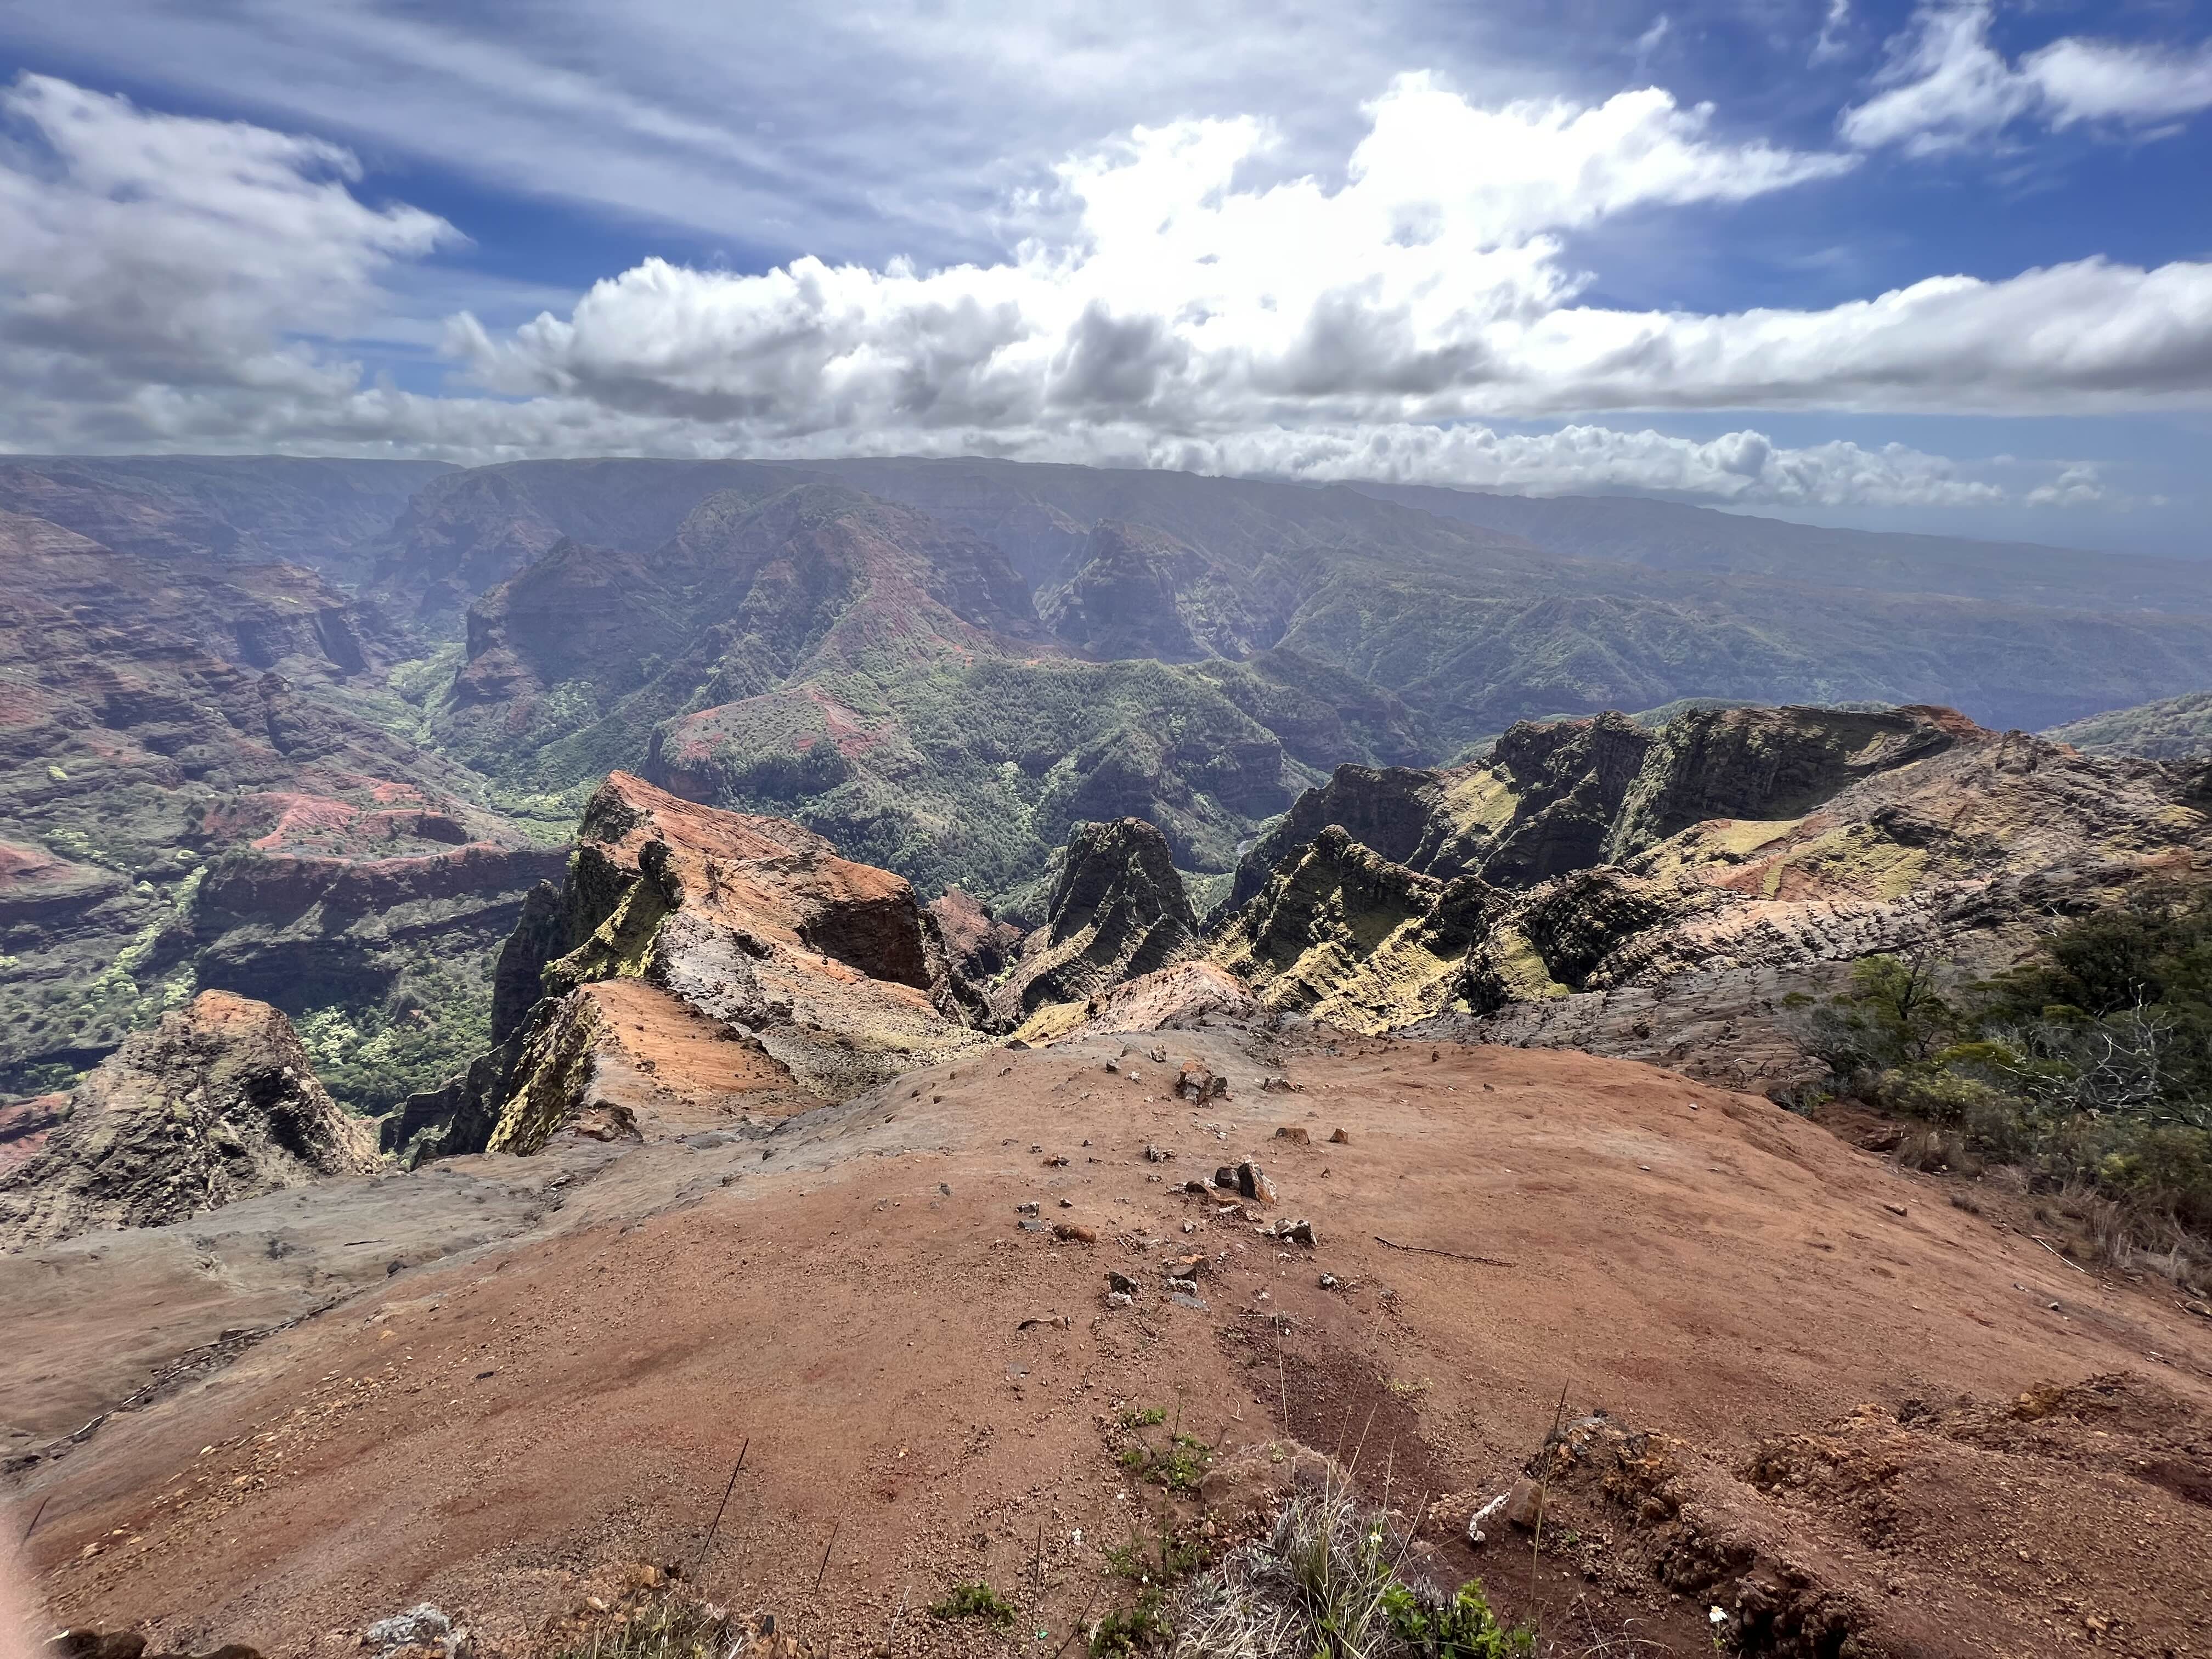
[(1326, 1584)]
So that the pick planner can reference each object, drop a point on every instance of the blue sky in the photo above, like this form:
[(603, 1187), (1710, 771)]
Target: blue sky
[(1547, 247)]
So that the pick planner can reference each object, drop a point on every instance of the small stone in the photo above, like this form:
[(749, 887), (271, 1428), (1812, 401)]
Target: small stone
[(1190, 1226), (1340, 1138), (1252, 1182), (1073, 1232), (1185, 1267), (1121, 1282), (1525, 1505), (1190, 1299), (1894, 1209), (1066, 1203), (1329, 1281), (1225, 1175), (1035, 1227), (1036, 1149), (1296, 1135), (1029, 1208), (1111, 1067), (1181, 1286), (421, 1624), (1120, 1299), (1156, 1155), (1057, 1161)]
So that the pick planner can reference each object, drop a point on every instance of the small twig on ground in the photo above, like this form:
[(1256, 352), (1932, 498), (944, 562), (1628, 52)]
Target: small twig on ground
[(718, 1508), (23, 1542), (820, 1571), (898, 1614), (1081, 1619), (1456, 1255), (1543, 1498), (2075, 1266)]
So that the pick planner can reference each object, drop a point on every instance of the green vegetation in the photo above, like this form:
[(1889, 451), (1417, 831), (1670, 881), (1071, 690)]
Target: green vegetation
[(975, 1602), (435, 1019), (1164, 1557), (1179, 1464), (1326, 1585), (2089, 1067), (1138, 1628)]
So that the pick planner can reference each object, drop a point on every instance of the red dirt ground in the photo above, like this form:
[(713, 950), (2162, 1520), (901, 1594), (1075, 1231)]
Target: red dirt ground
[(1833, 1387)]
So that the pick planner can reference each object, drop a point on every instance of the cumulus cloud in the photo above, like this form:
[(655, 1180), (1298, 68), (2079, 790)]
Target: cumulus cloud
[(1433, 284), (1945, 85), (182, 284)]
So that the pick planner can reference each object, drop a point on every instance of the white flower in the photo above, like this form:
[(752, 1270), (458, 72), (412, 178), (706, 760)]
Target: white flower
[(1718, 1616)]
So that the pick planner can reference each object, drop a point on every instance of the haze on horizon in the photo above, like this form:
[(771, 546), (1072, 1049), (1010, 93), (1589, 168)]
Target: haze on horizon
[(1937, 266)]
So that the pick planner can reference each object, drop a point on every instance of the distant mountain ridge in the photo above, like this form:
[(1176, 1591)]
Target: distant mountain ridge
[(2171, 729)]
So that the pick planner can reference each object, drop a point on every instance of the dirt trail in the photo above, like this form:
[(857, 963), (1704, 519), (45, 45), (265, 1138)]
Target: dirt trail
[(847, 1297)]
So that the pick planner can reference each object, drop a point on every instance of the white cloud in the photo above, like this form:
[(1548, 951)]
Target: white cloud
[(1831, 43), (1432, 285), (141, 251), (1945, 85), (167, 283)]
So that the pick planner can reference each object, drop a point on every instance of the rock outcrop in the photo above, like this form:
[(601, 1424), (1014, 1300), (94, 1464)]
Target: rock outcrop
[(215, 1103), (787, 975), (1852, 834), (1345, 935), (1541, 802), (1118, 911), (981, 945)]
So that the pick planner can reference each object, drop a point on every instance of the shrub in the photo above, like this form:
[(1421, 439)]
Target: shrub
[(2088, 1066)]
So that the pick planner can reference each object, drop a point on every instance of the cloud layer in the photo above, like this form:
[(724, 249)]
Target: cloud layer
[(172, 282), (1946, 86)]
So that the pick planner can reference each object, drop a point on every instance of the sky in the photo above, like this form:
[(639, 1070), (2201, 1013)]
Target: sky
[(1937, 266)]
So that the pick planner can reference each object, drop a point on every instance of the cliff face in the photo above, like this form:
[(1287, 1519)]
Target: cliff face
[(1851, 834), (793, 975), (217, 1103), (1118, 910), (194, 797)]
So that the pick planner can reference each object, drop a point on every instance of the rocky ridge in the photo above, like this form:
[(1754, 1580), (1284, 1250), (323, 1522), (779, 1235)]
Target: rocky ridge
[(806, 978), (1117, 911), (1747, 859)]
